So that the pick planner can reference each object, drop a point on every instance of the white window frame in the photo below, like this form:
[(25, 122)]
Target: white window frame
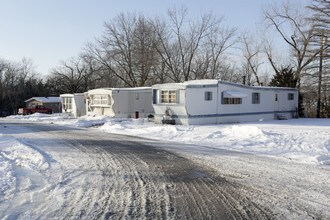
[(67, 103), (168, 96), (100, 100)]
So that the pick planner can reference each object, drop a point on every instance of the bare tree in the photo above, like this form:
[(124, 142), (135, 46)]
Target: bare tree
[(99, 74), (321, 8), (297, 31), (107, 74), (230, 73), (211, 60), (126, 49), (252, 53), (71, 76), (218, 41), (18, 81), (321, 16), (138, 51), (167, 51), (191, 49)]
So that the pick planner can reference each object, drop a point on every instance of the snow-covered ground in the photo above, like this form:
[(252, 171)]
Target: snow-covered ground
[(295, 178), (16, 154), (299, 140)]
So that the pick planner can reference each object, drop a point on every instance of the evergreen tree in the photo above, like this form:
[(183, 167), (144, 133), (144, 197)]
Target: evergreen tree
[(284, 78)]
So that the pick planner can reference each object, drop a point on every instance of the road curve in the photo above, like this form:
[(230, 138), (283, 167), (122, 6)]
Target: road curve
[(121, 177)]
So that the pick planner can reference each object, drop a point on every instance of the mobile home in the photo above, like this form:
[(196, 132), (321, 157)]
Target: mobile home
[(73, 104), (214, 102), (49, 102), (120, 102)]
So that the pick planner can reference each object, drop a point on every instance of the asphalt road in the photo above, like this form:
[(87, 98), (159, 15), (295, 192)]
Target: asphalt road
[(122, 177)]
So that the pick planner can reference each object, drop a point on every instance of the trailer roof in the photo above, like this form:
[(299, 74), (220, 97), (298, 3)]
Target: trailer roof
[(202, 82), (71, 94), (122, 89), (45, 99), (257, 87)]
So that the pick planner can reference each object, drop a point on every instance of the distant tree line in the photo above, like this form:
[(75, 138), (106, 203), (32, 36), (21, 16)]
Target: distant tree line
[(135, 50), (18, 82)]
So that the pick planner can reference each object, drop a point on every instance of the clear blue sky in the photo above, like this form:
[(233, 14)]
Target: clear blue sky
[(48, 31)]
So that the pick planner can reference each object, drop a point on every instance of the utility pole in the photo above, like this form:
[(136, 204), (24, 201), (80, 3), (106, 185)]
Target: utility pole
[(318, 108)]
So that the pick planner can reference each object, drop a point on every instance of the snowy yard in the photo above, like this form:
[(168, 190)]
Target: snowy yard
[(293, 171), (299, 140)]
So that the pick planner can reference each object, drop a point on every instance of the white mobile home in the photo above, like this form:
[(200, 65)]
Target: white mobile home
[(73, 104), (120, 102), (214, 102)]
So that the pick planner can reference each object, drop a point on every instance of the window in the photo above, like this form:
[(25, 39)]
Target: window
[(100, 100), (290, 96), (276, 98), (168, 96), (154, 96), (137, 96), (255, 98), (232, 101), (208, 96), (67, 103)]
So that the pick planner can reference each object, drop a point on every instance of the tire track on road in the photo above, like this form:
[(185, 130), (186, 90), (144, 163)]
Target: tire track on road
[(106, 176)]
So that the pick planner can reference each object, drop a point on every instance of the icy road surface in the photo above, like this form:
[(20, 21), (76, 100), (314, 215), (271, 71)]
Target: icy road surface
[(93, 175), (55, 172)]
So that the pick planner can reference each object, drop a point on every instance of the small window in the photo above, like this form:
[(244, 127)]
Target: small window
[(232, 101), (67, 103), (290, 96), (137, 96), (100, 100), (208, 96), (154, 96), (255, 98), (168, 96), (276, 98)]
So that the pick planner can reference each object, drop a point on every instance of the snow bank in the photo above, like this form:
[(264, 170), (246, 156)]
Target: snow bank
[(15, 156), (8, 180), (305, 142), (300, 140), (63, 119), (39, 117), (21, 154)]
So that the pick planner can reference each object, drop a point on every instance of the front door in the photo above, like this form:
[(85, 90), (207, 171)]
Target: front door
[(276, 103)]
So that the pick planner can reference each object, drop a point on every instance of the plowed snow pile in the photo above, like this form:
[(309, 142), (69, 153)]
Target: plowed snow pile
[(17, 157), (300, 140)]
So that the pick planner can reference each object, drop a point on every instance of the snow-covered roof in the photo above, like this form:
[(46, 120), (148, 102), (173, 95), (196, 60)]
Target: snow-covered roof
[(131, 88), (45, 99), (71, 94), (202, 82), (214, 82), (257, 87), (190, 83), (170, 86), (108, 90)]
